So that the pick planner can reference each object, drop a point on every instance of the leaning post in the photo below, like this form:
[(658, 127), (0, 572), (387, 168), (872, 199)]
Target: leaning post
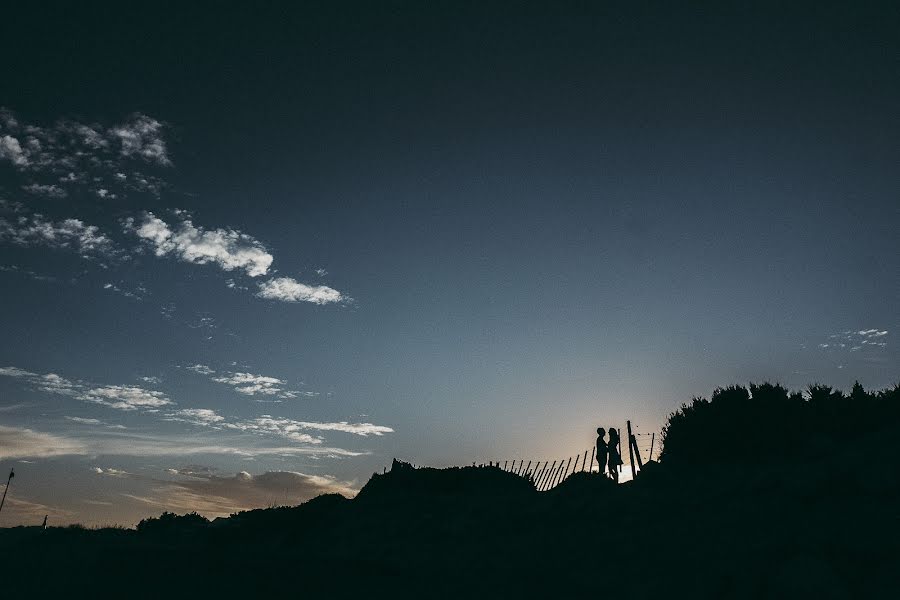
[(637, 453), (630, 450), (12, 473)]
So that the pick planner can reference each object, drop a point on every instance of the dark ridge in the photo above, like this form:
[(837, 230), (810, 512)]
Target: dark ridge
[(798, 500)]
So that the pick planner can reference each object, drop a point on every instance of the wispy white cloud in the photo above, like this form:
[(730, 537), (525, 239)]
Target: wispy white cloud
[(139, 136), (285, 428), (294, 430), (122, 397), (85, 421), (288, 289), (196, 416), (24, 511), (49, 190), (11, 150), (216, 495), (110, 472), (25, 272), (27, 443), (94, 422), (138, 292), (252, 385), (227, 248), (200, 369), (69, 144), (70, 234), (230, 250), (855, 340), (249, 384), (125, 397)]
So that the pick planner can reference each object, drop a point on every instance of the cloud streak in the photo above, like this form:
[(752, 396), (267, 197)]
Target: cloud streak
[(249, 384), (16, 442), (227, 248), (856, 340), (217, 496), (295, 430), (27, 443), (287, 289), (122, 397), (67, 234), (69, 144)]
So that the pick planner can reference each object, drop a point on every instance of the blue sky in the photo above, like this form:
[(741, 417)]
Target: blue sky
[(249, 260)]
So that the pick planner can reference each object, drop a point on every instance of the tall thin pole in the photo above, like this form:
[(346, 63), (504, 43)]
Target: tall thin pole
[(547, 475), (652, 440), (12, 474), (525, 474), (584, 461), (631, 451), (637, 453), (593, 452)]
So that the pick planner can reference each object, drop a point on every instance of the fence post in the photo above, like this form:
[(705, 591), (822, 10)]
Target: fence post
[(552, 477), (525, 474), (637, 453), (547, 476), (630, 450), (566, 472), (584, 461), (652, 441), (575, 466), (560, 478), (557, 474), (549, 483), (12, 473), (537, 473)]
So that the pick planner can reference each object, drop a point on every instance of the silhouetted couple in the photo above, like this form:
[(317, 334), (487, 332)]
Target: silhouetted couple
[(608, 453)]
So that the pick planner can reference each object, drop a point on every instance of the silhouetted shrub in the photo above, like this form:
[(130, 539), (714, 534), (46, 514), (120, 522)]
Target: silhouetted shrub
[(170, 522), (766, 422)]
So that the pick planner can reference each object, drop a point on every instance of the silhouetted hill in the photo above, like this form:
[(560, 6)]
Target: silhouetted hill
[(804, 508)]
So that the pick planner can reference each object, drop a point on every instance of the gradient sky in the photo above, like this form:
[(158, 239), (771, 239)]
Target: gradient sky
[(248, 256)]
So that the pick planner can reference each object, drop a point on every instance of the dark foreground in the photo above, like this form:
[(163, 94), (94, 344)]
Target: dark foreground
[(822, 532), (820, 520)]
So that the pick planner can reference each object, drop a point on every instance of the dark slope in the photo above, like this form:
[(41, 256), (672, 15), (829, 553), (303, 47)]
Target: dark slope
[(813, 523)]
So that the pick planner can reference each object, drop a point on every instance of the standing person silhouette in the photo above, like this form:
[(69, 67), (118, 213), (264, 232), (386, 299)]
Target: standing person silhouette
[(602, 450), (615, 459)]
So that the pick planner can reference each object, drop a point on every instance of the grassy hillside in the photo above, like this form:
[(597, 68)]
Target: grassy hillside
[(791, 502)]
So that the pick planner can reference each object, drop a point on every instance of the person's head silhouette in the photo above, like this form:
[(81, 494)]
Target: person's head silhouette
[(601, 432)]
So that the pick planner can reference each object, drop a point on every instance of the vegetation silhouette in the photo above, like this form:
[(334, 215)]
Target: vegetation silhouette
[(758, 492)]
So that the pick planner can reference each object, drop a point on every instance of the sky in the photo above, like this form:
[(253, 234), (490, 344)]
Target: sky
[(250, 256)]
